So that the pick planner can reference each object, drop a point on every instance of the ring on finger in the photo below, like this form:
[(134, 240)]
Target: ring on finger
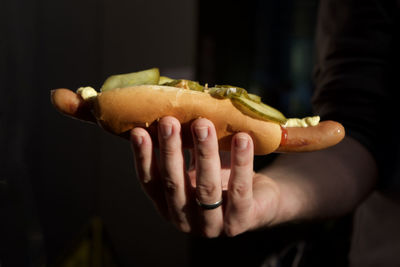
[(209, 206)]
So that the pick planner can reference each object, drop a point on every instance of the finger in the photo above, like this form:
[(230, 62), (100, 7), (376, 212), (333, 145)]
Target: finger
[(146, 168), (208, 175), (240, 193), (71, 104), (172, 167)]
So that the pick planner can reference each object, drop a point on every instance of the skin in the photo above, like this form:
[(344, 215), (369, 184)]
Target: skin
[(298, 186), (295, 187)]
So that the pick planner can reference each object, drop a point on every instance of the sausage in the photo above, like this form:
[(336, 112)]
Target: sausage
[(299, 139)]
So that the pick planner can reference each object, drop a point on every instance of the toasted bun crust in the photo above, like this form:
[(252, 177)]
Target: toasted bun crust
[(120, 110)]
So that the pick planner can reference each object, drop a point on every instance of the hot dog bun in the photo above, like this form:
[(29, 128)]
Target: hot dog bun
[(120, 110)]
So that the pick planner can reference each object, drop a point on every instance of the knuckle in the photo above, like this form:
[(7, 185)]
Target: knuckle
[(146, 179), (144, 175), (184, 227), (239, 190), (232, 230), (171, 186), (205, 153), (207, 190), (168, 150)]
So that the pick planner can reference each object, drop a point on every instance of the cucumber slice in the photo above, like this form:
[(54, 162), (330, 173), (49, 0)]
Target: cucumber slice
[(164, 79), (254, 98), (150, 76), (186, 84), (258, 110)]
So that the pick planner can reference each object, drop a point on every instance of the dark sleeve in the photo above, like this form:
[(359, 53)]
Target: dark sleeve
[(353, 65)]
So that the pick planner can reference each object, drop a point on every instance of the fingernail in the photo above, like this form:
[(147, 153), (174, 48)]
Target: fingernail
[(137, 139), (241, 143), (166, 130), (201, 133)]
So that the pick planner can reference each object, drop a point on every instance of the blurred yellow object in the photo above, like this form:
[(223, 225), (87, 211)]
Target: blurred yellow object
[(91, 249)]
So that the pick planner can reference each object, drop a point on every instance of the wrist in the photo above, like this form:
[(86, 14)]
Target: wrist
[(291, 205), (290, 202), (277, 207)]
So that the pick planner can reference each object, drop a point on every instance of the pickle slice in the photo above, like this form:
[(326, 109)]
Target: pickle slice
[(258, 110), (227, 91), (150, 76), (217, 92), (249, 104), (185, 84), (254, 98), (164, 79), (196, 86)]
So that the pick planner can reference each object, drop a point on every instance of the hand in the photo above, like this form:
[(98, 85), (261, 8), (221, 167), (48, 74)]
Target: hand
[(305, 186), (250, 200)]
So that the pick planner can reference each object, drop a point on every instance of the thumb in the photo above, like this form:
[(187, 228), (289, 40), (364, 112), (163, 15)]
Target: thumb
[(71, 104)]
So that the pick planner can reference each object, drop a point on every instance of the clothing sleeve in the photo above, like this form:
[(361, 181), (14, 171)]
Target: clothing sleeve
[(354, 42)]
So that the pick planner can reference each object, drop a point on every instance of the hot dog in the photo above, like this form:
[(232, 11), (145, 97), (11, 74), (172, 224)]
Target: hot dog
[(123, 105)]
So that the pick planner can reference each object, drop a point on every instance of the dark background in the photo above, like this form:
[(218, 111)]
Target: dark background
[(56, 174)]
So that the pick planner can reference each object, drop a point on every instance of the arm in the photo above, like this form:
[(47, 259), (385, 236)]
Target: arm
[(353, 52), (324, 183)]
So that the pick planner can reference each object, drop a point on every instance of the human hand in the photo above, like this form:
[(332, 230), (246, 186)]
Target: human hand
[(304, 186), (250, 200)]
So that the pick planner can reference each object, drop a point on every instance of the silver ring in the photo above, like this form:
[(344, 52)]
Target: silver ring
[(209, 206)]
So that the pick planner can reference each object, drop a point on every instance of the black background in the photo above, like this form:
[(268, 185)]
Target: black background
[(57, 173)]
